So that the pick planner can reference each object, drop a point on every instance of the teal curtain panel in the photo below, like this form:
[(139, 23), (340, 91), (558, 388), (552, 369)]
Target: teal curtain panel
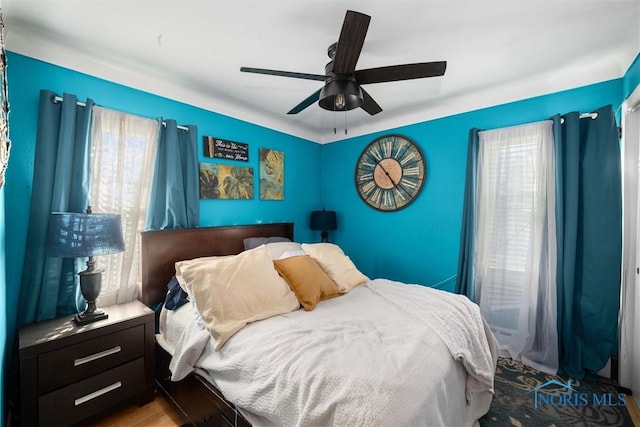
[(174, 200), (60, 184), (590, 252), (464, 277)]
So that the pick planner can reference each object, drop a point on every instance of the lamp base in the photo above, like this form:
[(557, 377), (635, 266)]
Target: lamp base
[(90, 316), (90, 284)]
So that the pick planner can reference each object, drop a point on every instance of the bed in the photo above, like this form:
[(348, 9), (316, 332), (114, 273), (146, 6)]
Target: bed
[(380, 353)]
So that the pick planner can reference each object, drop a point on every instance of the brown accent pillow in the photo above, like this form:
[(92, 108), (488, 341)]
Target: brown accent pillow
[(307, 280)]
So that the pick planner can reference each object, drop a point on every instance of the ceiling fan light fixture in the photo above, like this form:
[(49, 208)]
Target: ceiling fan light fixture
[(341, 94)]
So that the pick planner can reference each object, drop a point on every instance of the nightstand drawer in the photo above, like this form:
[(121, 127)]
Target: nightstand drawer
[(64, 366), (85, 398)]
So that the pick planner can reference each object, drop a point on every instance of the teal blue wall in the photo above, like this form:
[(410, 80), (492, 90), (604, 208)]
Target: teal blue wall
[(27, 76), (420, 243)]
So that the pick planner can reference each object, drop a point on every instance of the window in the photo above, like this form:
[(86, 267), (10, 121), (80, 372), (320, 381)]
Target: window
[(123, 150), (515, 229)]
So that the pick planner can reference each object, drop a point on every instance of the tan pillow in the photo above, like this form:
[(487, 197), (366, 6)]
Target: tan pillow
[(190, 263), (336, 264), (232, 291), (309, 282)]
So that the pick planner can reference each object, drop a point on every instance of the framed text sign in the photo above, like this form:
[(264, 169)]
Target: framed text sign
[(223, 149)]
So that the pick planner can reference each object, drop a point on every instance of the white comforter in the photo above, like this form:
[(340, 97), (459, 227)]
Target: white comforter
[(384, 354)]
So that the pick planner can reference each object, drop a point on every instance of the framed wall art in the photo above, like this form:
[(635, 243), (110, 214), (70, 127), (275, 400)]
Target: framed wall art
[(225, 181), (224, 149), (271, 174)]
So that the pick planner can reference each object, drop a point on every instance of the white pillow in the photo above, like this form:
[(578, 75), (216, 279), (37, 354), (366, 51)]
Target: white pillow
[(289, 254), (232, 291), (277, 249), (336, 264)]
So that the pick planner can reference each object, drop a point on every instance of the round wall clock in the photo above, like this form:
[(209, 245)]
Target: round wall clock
[(390, 173)]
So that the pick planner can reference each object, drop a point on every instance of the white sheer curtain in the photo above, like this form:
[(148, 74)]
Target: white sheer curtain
[(123, 150), (516, 244)]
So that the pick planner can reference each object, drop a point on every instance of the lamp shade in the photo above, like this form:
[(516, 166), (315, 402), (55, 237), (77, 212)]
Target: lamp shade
[(340, 94), (74, 235), (323, 220)]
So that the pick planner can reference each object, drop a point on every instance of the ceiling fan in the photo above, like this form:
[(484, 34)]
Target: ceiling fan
[(341, 90)]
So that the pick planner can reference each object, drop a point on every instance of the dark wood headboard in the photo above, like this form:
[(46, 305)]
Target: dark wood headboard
[(161, 249)]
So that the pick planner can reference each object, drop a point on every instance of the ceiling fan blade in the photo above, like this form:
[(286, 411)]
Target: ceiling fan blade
[(314, 97), (369, 105), (354, 30), (284, 73), (400, 72)]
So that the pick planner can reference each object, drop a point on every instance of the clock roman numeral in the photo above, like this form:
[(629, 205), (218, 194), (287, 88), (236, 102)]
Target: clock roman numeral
[(412, 171), (379, 150), (387, 147), (364, 165), (368, 188), (365, 176), (387, 198), (374, 156), (400, 194), (408, 183), (376, 197), (399, 146), (389, 201), (406, 159)]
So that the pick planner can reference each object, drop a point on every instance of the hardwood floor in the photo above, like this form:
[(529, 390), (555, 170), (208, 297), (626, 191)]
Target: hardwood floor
[(158, 413), (632, 407)]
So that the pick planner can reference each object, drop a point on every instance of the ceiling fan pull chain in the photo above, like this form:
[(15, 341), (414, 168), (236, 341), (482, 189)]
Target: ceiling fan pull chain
[(345, 122)]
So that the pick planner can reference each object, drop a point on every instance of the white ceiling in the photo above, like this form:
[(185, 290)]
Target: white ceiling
[(191, 51)]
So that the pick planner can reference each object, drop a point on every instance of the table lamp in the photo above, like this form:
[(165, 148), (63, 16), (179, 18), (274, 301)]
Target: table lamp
[(324, 221), (79, 235)]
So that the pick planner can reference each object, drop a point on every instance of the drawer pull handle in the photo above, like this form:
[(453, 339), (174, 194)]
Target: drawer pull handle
[(97, 356), (97, 393)]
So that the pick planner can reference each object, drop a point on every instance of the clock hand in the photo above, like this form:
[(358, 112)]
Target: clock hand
[(389, 176)]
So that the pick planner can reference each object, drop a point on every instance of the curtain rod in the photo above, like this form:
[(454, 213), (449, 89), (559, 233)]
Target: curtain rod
[(56, 99), (591, 116)]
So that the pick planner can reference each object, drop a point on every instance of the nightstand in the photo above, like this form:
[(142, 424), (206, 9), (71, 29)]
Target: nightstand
[(70, 374)]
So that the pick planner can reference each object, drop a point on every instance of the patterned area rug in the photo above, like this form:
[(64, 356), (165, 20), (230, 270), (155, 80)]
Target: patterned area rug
[(527, 397)]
